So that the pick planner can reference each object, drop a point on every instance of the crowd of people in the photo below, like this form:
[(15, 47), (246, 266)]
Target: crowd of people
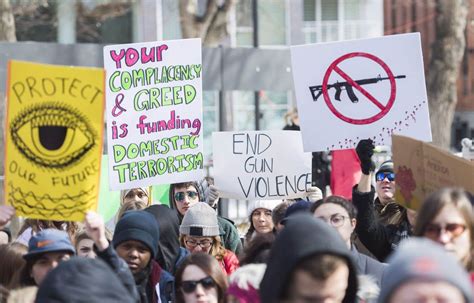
[(319, 248)]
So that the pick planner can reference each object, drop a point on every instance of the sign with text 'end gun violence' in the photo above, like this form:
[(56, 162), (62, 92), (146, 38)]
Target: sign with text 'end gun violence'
[(154, 112), (261, 165), (422, 168), (53, 140), (352, 90)]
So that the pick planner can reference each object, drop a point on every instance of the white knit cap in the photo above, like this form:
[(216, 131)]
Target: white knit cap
[(266, 204)]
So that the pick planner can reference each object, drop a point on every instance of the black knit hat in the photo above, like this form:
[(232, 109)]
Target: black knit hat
[(140, 226), (386, 166), (83, 280)]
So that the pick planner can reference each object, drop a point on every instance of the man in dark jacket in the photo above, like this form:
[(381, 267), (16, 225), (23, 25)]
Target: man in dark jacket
[(309, 262), (382, 223)]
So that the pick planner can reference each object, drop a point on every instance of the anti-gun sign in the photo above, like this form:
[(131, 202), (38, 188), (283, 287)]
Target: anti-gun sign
[(261, 164), (353, 90)]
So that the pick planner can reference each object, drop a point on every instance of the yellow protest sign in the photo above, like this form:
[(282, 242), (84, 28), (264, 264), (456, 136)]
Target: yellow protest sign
[(54, 134)]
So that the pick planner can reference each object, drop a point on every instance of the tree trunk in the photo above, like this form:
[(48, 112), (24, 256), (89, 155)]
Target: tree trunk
[(211, 26), (446, 56), (7, 23)]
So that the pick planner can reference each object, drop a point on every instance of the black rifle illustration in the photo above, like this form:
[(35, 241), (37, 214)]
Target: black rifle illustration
[(317, 90)]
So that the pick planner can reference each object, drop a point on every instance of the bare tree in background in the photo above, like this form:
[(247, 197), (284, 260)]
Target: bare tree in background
[(446, 56), (211, 26), (7, 23)]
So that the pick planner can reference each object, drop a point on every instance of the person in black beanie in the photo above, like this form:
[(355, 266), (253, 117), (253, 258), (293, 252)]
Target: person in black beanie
[(83, 280), (135, 240), (382, 223)]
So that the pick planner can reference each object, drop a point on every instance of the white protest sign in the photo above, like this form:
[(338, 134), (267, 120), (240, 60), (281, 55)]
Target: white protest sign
[(353, 90), (154, 112), (261, 164)]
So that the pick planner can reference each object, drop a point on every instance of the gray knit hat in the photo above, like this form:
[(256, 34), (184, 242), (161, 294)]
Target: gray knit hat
[(423, 259), (200, 220)]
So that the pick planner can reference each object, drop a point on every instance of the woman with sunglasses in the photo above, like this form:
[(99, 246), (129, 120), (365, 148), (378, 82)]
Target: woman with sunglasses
[(199, 232), (446, 217), (200, 279)]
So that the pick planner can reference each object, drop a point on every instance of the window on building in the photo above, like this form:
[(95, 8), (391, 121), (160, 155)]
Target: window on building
[(333, 20), (271, 23), (210, 117)]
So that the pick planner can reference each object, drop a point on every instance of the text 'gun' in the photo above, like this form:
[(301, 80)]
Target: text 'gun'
[(317, 90)]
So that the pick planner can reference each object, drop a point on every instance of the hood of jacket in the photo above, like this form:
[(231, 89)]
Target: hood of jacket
[(80, 280), (168, 244), (303, 236)]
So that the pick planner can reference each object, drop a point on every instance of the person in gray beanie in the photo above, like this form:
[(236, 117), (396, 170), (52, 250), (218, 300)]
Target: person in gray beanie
[(199, 232), (421, 271)]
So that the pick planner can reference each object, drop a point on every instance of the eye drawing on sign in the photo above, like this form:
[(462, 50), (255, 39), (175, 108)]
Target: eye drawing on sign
[(52, 135), (382, 107)]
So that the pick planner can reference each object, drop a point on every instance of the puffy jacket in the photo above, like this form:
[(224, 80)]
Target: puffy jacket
[(229, 263)]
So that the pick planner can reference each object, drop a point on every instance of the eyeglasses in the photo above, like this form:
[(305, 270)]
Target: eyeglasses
[(190, 286), (336, 220), (203, 244), (382, 175), (179, 196), (433, 231)]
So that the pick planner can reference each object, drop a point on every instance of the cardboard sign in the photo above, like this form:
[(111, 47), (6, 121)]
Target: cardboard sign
[(54, 140), (261, 165), (353, 90), (154, 112), (422, 168)]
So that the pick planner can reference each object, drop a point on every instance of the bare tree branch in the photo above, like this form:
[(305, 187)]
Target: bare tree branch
[(211, 27), (7, 23), (443, 71)]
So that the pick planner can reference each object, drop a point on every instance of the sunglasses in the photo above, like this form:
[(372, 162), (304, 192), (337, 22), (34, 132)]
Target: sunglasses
[(190, 286), (433, 231), (382, 175), (181, 195)]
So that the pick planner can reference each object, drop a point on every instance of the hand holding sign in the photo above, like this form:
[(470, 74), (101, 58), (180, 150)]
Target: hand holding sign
[(6, 214), (95, 229)]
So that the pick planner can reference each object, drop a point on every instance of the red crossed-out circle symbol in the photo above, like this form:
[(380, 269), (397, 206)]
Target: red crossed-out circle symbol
[(384, 109)]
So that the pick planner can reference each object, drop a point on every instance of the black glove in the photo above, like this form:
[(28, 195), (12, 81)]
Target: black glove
[(365, 150)]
